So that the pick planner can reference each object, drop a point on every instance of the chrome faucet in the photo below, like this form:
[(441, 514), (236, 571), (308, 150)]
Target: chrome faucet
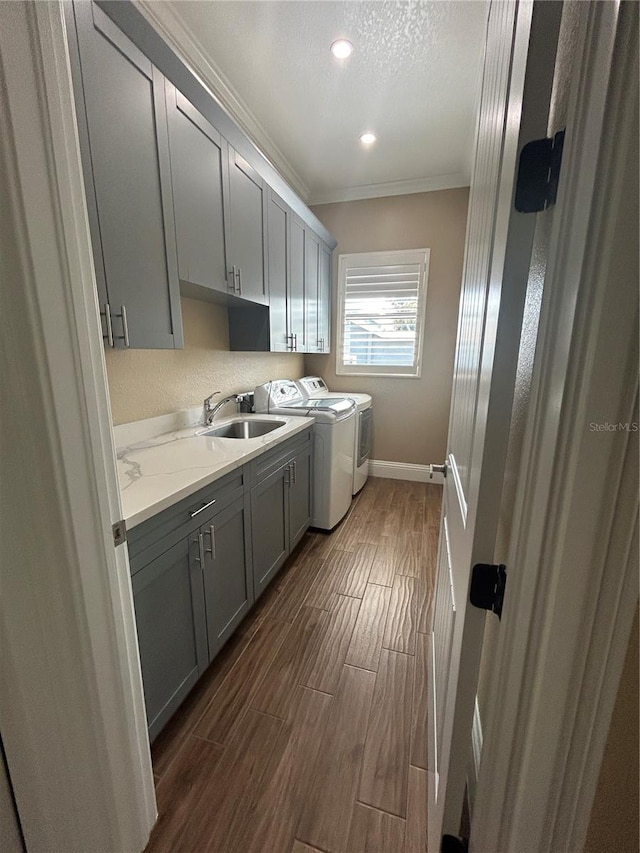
[(210, 411)]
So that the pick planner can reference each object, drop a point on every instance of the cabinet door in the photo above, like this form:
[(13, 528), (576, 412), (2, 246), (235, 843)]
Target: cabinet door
[(312, 263), (297, 284), (134, 244), (324, 300), (170, 619), (269, 526), (198, 161), (299, 496), (278, 242), (227, 581), (246, 230)]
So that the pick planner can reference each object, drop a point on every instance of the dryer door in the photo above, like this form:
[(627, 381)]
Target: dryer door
[(364, 435)]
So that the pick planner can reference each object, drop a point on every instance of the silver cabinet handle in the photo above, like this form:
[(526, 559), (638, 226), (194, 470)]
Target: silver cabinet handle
[(199, 541), (239, 281), (212, 534), (295, 342), (231, 285), (295, 472), (202, 509), (287, 475), (290, 342), (125, 326), (321, 344), (107, 321)]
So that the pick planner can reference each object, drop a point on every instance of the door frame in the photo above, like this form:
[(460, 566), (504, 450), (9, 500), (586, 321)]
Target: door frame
[(568, 587), (79, 760)]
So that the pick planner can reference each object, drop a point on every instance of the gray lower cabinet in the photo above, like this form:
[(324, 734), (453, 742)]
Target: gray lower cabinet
[(228, 584), (270, 526), (170, 616), (198, 566), (123, 133), (198, 174), (300, 482), (280, 512)]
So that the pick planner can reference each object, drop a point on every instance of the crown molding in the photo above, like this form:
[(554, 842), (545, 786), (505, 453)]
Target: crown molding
[(417, 185), (171, 27)]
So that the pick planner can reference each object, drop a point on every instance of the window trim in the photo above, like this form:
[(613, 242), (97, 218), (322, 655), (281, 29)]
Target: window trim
[(400, 256)]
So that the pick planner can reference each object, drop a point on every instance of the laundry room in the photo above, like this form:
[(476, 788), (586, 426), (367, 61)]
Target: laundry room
[(275, 284)]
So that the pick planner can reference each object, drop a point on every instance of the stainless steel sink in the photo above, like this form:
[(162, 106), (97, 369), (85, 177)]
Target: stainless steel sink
[(243, 429)]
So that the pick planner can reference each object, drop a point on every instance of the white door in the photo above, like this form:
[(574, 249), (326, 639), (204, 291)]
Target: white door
[(517, 81)]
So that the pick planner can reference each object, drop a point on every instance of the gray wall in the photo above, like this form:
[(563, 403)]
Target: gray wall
[(411, 415)]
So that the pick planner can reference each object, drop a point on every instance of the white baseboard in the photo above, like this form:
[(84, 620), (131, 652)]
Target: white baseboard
[(403, 471), (474, 760)]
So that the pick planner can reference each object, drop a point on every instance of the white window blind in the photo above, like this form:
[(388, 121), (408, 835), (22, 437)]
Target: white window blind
[(382, 311)]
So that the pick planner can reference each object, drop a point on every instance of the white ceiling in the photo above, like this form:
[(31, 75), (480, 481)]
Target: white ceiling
[(413, 79)]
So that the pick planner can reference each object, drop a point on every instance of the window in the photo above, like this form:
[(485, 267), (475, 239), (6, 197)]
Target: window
[(381, 306)]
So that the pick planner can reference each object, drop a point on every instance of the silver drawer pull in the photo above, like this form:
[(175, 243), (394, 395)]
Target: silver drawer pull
[(202, 508), (212, 534), (295, 472)]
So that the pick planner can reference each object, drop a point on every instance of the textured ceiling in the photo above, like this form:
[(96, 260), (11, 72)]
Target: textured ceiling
[(413, 79)]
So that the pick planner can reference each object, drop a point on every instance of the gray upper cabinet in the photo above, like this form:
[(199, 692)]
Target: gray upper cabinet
[(324, 299), (246, 231), (279, 272), (297, 302), (198, 173), (312, 263), (123, 129), (227, 572), (170, 619)]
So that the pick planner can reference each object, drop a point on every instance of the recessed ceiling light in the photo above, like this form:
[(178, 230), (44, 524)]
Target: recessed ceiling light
[(341, 49), (368, 138)]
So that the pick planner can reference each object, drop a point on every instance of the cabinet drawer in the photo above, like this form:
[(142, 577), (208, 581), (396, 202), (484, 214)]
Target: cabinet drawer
[(151, 538), (265, 465)]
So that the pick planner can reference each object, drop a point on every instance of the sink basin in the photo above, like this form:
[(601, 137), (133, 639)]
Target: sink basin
[(243, 429)]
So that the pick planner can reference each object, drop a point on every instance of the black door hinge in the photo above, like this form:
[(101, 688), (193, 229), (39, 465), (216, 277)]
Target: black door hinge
[(487, 587), (452, 844), (119, 530), (539, 174)]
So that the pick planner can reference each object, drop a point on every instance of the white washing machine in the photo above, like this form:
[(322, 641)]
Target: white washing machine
[(314, 387), (333, 444)]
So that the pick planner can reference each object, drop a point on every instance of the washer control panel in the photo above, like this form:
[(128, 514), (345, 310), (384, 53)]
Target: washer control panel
[(277, 393), (312, 384)]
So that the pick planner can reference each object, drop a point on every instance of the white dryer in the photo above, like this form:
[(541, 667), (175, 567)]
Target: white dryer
[(333, 444), (314, 387)]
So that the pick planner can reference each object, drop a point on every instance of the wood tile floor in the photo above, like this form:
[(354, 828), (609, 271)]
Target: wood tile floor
[(308, 732)]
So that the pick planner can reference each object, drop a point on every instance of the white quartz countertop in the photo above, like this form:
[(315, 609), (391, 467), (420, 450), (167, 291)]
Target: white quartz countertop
[(156, 473)]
